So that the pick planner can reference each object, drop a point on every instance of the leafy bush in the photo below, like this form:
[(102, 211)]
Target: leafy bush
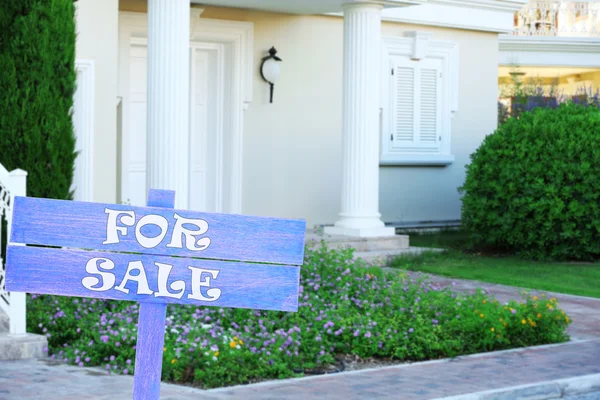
[(533, 186), (345, 309), (37, 77)]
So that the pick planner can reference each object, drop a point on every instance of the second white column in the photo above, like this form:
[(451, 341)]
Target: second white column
[(360, 170)]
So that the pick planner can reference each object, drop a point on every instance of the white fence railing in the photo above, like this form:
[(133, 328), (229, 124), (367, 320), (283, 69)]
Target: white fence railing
[(12, 184), (558, 18)]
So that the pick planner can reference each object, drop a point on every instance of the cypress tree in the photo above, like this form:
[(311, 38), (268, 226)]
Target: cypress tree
[(37, 84)]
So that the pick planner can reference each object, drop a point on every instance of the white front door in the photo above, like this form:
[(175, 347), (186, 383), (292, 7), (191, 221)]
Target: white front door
[(205, 152)]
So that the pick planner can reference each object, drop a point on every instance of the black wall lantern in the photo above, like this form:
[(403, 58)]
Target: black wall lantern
[(270, 69)]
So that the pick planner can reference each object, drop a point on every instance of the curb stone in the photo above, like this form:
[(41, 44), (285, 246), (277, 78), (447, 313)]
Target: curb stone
[(538, 391)]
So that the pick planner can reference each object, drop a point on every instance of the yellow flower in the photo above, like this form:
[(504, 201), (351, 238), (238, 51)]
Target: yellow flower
[(567, 319), (553, 299), (164, 349), (504, 324), (241, 341), (481, 315), (535, 297), (493, 329), (232, 344), (539, 315), (173, 361), (501, 319), (216, 354), (523, 321), (485, 301)]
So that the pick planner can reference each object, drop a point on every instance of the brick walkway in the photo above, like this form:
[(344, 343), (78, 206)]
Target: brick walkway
[(38, 379)]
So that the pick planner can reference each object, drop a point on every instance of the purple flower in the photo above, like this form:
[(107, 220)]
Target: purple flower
[(513, 311), (104, 338), (411, 330), (356, 332), (368, 334), (125, 372)]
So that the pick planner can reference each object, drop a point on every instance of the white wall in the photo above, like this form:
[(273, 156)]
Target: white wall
[(97, 32), (292, 148)]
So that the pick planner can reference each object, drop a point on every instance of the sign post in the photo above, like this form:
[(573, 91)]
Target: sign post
[(154, 255)]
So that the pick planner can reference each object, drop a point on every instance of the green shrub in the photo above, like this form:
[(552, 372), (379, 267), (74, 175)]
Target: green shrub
[(37, 77), (345, 309), (533, 186)]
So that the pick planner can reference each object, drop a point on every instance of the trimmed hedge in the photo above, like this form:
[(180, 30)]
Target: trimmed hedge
[(37, 77), (533, 186)]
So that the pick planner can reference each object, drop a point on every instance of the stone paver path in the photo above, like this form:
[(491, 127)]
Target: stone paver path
[(41, 379)]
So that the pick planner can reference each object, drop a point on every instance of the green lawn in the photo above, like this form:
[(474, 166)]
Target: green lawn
[(573, 278)]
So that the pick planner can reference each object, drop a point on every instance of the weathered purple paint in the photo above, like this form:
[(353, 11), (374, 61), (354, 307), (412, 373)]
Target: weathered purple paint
[(83, 225), (149, 351), (151, 328), (243, 285)]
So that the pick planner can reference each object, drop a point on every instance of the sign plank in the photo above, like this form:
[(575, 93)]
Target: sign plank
[(153, 279), (154, 230)]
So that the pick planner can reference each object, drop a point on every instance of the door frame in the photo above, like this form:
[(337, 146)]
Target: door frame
[(236, 41)]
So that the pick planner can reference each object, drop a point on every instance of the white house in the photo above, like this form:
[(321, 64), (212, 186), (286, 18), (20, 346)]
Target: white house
[(555, 43), (377, 108)]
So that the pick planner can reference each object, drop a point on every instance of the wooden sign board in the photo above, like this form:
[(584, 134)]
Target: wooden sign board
[(154, 255)]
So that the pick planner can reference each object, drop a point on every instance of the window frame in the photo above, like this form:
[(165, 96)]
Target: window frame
[(417, 46)]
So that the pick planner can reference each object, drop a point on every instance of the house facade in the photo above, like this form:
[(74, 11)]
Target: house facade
[(377, 108), (555, 46)]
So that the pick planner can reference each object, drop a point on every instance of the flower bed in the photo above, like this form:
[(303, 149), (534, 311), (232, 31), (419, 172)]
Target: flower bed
[(346, 308)]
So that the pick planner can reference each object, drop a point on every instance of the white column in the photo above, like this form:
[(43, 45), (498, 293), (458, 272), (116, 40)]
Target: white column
[(17, 185), (167, 157), (360, 170)]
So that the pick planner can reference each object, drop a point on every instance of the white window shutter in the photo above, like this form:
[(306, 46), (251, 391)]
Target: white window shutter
[(403, 105), (429, 121), (403, 109), (416, 108)]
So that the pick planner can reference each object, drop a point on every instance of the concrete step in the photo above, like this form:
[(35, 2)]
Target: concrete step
[(397, 242), (382, 257), (22, 347)]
